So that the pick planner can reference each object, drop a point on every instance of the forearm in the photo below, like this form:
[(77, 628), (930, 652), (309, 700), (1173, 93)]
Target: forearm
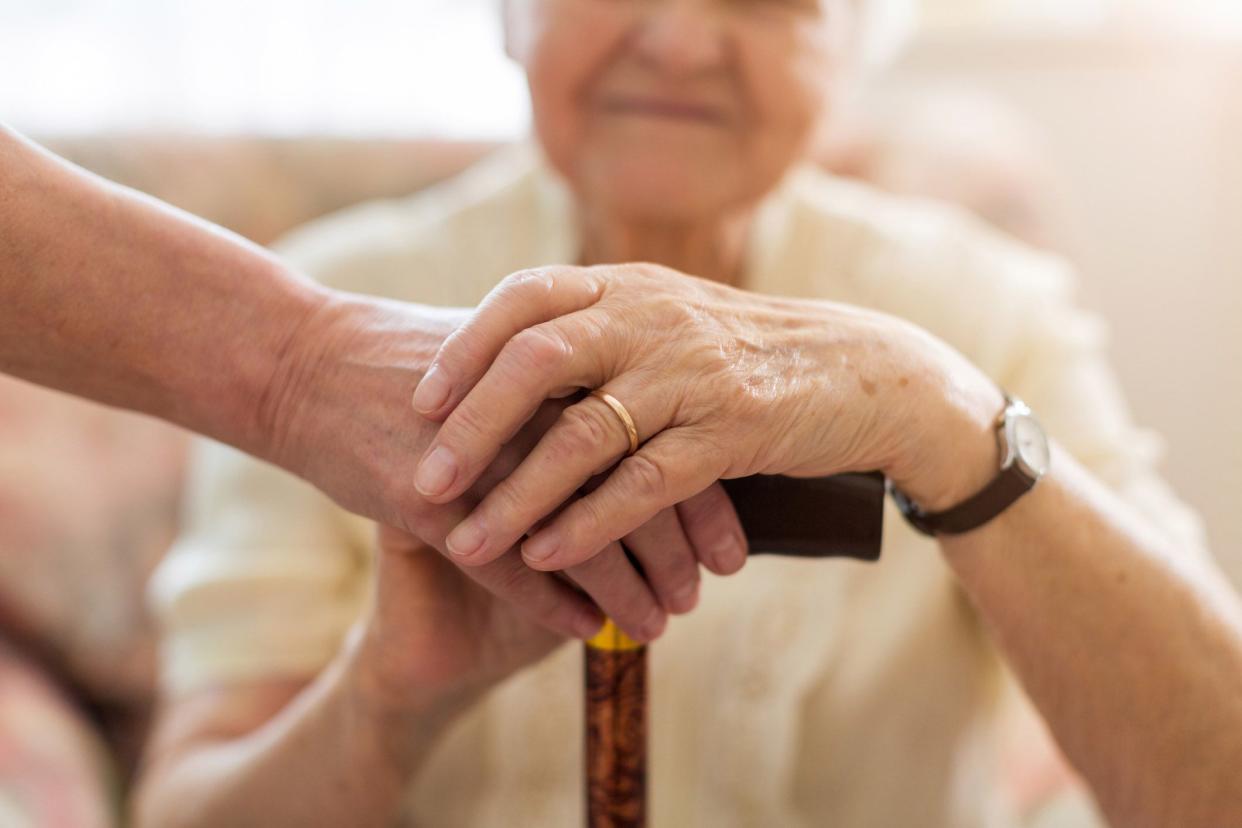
[(329, 757), (1131, 650), (114, 296)]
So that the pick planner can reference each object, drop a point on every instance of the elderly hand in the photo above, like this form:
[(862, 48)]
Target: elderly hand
[(720, 384), (338, 414)]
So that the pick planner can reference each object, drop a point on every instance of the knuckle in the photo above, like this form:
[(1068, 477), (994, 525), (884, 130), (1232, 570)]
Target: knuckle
[(524, 286), (462, 346), (586, 429), (508, 578), (645, 477), (587, 522), (537, 349), (458, 336), (469, 426), (509, 509), (562, 447)]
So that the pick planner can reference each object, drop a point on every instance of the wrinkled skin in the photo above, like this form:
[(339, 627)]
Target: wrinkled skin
[(353, 382), (721, 384)]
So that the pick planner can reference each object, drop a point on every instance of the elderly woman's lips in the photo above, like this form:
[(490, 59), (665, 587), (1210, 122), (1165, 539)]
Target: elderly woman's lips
[(662, 108)]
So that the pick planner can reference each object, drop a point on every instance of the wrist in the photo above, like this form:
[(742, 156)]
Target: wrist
[(388, 738), (337, 408), (399, 714), (275, 353), (951, 449)]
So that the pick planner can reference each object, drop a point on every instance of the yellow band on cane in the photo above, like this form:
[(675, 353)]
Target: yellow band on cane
[(610, 637)]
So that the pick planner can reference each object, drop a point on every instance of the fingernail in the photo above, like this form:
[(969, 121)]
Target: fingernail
[(466, 538), (436, 472), (431, 392), (652, 628), (727, 549), (687, 598), (541, 547)]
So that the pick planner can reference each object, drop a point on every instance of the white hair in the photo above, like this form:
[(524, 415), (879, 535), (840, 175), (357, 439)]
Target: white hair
[(884, 27)]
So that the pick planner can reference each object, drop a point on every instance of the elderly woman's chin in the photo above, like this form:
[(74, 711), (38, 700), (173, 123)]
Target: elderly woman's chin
[(668, 184)]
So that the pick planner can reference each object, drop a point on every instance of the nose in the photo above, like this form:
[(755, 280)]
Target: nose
[(681, 38)]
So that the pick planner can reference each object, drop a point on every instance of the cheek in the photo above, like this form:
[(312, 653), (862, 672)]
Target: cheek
[(788, 87), (569, 47)]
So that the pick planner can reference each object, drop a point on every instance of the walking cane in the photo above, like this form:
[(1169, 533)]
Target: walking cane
[(616, 729), (827, 517)]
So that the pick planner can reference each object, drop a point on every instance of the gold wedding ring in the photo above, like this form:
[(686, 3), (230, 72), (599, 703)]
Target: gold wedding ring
[(631, 430)]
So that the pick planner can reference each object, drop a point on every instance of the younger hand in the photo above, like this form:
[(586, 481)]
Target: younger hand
[(340, 416), (433, 633)]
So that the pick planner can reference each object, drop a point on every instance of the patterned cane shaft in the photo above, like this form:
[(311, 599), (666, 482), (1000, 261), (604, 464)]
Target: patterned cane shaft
[(616, 731)]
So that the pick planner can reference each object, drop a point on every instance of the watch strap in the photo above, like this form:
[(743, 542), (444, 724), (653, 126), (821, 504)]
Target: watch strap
[(972, 513)]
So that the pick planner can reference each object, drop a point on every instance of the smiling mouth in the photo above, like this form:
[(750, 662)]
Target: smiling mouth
[(663, 108)]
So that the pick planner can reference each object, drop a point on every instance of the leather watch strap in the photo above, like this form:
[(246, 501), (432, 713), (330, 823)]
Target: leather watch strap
[(972, 513)]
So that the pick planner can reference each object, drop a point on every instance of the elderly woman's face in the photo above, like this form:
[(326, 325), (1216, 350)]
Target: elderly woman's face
[(676, 109)]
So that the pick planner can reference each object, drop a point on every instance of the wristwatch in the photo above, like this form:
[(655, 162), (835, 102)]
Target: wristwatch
[(1024, 449)]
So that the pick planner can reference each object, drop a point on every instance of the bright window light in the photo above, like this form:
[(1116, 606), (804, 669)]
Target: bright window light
[(1213, 16), (372, 67)]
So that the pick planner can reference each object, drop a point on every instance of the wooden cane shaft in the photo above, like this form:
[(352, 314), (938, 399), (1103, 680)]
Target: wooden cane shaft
[(616, 731)]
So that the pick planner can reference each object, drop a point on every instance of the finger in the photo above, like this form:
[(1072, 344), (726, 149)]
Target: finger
[(587, 438), (667, 470), (530, 368), (668, 562), (715, 533), (520, 301), (513, 453), (542, 597), (621, 593)]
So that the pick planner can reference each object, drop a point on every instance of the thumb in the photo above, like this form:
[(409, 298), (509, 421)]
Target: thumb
[(410, 568)]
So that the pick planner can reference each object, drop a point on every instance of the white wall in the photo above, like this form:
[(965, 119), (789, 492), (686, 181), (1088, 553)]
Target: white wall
[(1148, 137)]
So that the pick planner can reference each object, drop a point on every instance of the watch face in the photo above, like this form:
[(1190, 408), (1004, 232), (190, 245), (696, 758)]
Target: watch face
[(1030, 445)]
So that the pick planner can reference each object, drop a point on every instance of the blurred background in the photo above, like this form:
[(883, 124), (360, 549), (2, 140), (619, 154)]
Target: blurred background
[(1105, 130)]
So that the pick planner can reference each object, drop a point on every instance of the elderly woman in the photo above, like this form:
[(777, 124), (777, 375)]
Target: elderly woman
[(312, 680)]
